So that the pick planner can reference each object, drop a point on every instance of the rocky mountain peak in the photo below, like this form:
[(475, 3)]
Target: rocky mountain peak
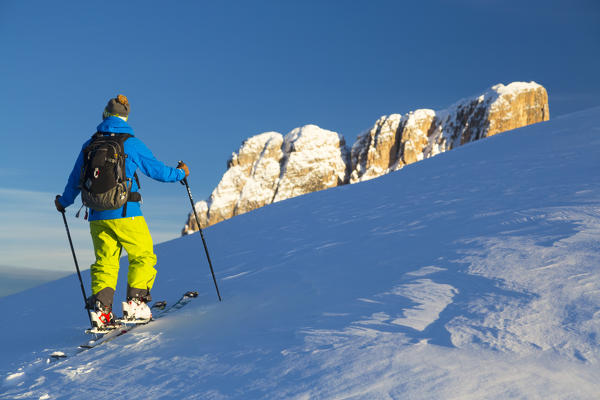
[(395, 141), (270, 167)]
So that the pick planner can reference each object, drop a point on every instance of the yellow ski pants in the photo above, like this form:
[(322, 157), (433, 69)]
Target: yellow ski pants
[(110, 236)]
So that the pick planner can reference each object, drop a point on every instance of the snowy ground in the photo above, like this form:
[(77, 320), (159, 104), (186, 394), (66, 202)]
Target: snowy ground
[(471, 275)]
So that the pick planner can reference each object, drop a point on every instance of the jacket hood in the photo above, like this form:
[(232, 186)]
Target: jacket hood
[(114, 125)]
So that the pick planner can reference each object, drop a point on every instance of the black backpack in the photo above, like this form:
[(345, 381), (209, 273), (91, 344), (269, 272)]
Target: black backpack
[(103, 183)]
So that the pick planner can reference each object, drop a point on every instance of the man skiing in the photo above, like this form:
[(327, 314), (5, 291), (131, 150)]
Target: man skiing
[(115, 227)]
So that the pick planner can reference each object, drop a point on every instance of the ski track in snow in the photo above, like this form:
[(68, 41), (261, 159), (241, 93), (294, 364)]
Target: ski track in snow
[(474, 274)]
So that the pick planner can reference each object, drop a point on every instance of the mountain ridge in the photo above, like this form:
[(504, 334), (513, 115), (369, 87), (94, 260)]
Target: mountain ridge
[(270, 167)]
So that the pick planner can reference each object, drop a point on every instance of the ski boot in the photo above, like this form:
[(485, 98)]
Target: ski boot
[(103, 319), (135, 310)]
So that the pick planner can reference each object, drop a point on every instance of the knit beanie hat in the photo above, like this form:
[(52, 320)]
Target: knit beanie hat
[(119, 106)]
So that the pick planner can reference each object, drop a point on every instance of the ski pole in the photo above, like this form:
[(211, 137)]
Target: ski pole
[(185, 182), (77, 267)]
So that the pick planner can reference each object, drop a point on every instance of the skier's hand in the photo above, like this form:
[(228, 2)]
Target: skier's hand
[(59, 206), (184, 167)]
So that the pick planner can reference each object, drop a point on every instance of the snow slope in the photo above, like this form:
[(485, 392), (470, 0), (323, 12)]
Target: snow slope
[(15, 279), (474, 274)]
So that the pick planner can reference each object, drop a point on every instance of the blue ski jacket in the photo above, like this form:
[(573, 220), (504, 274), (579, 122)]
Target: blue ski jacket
[(138, 156)]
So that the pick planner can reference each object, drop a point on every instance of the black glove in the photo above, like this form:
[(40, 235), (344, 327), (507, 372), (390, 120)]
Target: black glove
[(59, 206)]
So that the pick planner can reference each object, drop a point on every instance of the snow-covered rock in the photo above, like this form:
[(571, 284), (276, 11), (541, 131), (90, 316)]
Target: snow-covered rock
[(396, 140), (269, 167), (315, 159)]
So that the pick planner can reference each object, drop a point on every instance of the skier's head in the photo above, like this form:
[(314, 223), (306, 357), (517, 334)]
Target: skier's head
[(117, 107)]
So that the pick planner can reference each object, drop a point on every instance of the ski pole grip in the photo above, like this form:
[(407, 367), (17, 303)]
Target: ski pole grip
[(57, 203), (184, 180)]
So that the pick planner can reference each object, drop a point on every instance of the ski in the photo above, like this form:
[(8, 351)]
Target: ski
[(106, 337), (126, 326), (97, 331)]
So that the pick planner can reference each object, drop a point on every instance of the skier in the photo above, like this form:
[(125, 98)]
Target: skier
[(120, 227)]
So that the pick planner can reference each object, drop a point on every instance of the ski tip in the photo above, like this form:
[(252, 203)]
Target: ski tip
[(191, 294)]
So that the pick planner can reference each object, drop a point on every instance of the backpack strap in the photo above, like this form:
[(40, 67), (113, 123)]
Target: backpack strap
[(128, 196), (122, 137), (137, 180)]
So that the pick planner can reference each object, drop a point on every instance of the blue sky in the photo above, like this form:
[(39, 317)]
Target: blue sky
[(203, 76)]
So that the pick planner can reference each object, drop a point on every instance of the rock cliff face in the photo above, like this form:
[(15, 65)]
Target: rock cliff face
[(393, 142), (398, 140), (270, 167)]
